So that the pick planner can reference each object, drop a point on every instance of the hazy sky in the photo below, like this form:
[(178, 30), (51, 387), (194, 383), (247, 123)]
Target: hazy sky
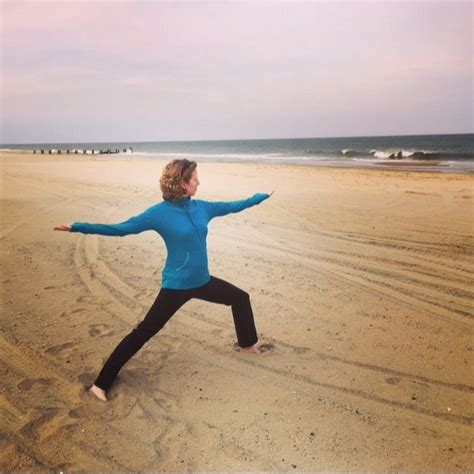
[(146, 71)]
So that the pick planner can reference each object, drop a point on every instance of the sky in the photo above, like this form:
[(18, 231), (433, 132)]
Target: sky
[(87, 71)]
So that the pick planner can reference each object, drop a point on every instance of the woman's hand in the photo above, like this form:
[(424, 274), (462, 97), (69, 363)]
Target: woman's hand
[(64, 227)]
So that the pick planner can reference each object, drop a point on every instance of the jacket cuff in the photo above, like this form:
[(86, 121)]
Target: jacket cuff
[(79, 227)]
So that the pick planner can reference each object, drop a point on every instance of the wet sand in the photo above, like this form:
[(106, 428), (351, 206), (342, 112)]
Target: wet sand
[(361, 284)]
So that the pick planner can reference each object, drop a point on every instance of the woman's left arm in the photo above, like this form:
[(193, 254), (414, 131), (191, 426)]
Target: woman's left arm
[(215, 209)]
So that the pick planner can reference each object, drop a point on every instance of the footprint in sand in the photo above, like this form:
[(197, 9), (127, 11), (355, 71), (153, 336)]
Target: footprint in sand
[(37, 428), (61, 347), (118, 407), (265, 347), (99, 329), (393, 380), (87, 378), (27, 384), (83, 299), (301, 350)]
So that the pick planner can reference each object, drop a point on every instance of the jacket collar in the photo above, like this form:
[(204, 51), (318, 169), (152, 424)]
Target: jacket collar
[(184, 202)]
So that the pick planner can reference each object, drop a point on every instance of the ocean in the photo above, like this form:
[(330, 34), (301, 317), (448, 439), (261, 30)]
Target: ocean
[(434, 153)]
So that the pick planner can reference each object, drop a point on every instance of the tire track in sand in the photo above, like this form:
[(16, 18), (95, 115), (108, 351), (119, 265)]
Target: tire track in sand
[(52, 424), (121, 302), (305, 380), (104, 283), (391, 283), (419, 250), (37, 428), (45, 208), (302, 378)]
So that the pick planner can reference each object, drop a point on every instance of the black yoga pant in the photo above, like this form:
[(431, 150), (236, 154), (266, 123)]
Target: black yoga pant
[(166, 304)]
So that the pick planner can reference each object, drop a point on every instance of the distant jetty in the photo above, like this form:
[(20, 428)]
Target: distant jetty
[(83, 151)]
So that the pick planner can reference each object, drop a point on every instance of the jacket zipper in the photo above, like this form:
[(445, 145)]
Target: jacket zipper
[(194, 225)]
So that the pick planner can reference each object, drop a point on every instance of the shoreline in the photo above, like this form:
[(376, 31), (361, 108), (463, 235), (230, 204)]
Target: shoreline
[(392, 165)]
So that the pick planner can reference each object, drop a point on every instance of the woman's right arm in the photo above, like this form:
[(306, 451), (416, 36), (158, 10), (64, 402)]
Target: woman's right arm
[(134, 225)]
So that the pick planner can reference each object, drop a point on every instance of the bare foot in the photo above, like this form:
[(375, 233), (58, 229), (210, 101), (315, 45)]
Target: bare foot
[(98, 392), (252, 349)]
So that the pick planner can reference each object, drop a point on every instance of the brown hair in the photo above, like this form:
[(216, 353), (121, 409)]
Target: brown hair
[(176, 173)]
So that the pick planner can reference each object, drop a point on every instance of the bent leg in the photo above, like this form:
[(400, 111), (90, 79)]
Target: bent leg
[(223, 292), (166, 304)]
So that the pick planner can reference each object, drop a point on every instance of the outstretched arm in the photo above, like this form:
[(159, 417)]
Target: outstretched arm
[(134, 225), (215, 209)]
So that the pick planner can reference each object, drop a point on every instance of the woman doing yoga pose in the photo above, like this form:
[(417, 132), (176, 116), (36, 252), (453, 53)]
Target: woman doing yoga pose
[(182, 223)]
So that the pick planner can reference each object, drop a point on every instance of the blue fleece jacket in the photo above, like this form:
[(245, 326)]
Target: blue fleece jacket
[(183, 226)]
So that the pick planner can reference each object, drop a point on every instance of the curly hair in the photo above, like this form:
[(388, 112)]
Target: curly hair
[(176, 173)]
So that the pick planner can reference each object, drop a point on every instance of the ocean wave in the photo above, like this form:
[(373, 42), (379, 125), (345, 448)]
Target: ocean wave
[(15, 150), (393, 154), (350, 153), (421, 155), (401, 154)]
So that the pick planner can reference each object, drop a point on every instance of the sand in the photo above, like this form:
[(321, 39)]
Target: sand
[(361, 284)]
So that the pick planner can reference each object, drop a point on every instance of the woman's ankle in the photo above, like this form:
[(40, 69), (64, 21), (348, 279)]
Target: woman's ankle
[(253, 349), (98, 392)]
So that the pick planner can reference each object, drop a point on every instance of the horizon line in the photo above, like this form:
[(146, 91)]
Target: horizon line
[(239, 139)]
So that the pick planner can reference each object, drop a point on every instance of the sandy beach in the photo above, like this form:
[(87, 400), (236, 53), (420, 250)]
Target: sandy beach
[(361, 285)]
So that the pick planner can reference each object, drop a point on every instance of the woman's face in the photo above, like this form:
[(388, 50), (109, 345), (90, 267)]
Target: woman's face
[(193, 184)]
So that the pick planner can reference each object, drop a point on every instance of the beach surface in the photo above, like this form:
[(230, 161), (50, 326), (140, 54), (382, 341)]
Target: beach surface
[(361, 285)]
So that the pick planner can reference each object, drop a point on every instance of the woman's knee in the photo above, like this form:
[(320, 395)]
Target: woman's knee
[(144, 332), (242, 296)]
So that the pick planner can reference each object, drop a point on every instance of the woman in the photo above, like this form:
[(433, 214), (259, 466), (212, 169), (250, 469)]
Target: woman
[(182, 223)]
